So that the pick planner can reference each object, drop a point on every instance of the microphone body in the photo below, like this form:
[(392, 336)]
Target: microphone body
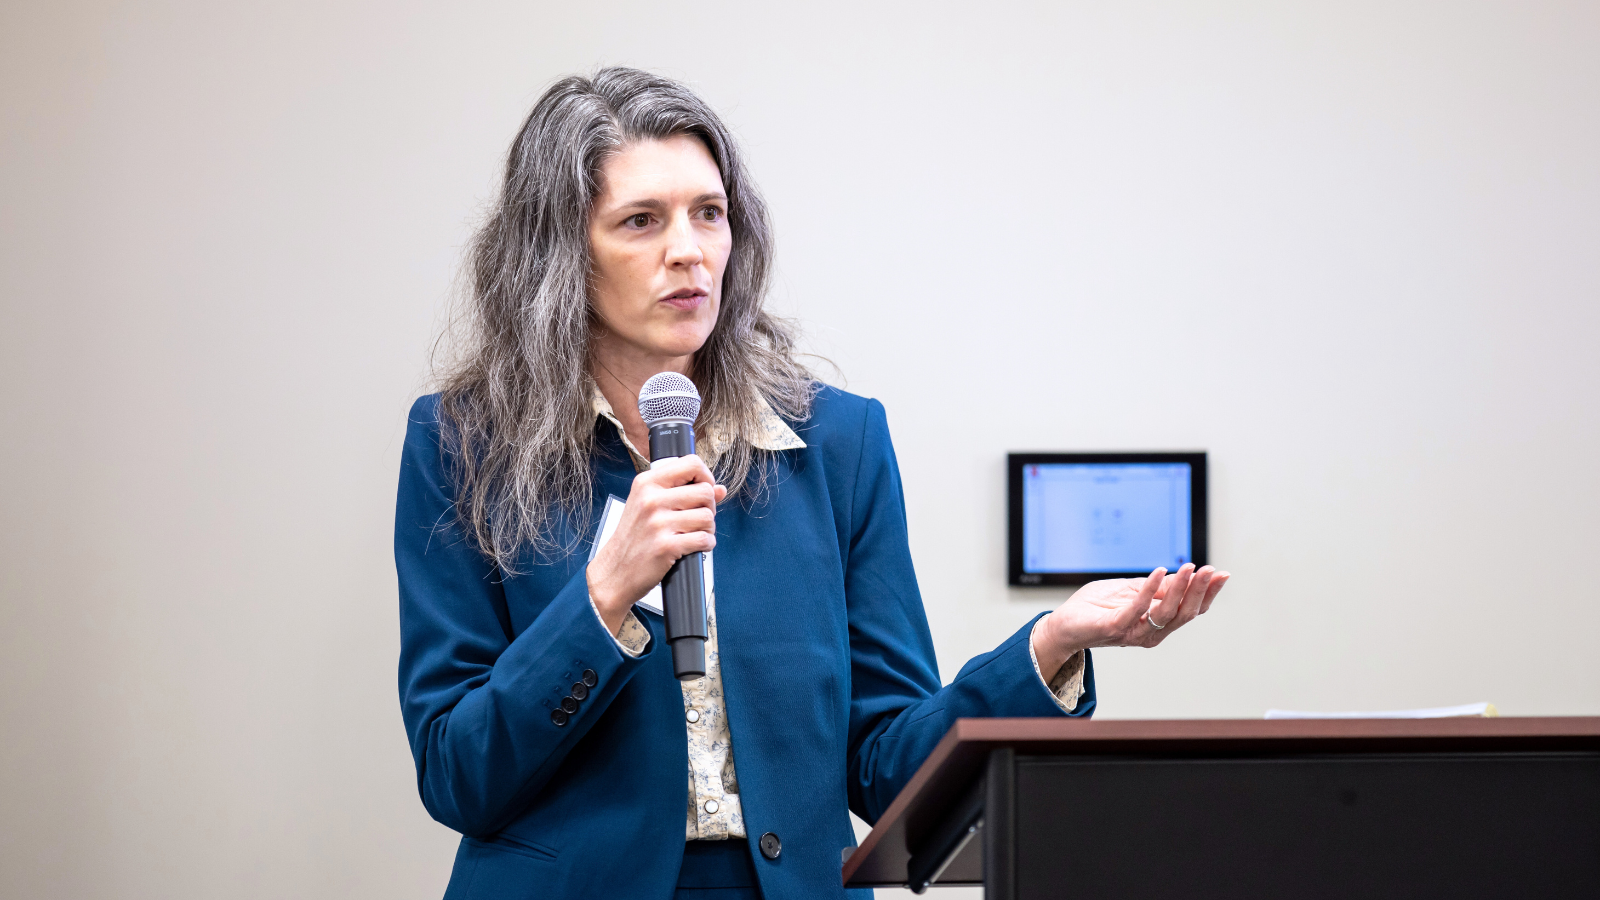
[(683, 591)]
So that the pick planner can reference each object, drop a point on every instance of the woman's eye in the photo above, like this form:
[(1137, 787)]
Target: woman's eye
[(639, 221), (711, 214)]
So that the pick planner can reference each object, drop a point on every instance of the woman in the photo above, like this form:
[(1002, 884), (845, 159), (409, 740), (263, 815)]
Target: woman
[(543, 714)]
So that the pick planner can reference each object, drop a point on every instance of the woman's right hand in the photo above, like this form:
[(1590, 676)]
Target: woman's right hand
[(671, 513)]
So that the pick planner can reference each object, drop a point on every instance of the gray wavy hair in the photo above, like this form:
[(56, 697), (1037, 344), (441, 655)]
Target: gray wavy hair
[(515, 410)]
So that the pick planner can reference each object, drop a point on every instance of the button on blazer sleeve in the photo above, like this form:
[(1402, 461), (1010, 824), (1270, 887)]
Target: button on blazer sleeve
[(898, 711), (477, 702)]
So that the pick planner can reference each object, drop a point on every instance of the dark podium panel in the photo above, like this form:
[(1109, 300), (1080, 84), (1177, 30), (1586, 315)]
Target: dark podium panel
[(1373, 808)]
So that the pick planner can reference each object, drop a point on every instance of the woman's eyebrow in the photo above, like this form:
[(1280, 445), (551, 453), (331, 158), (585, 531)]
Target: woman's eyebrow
[(641, 204), (658, 205)]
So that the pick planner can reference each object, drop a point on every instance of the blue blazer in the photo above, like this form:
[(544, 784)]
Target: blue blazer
[(833, 694)]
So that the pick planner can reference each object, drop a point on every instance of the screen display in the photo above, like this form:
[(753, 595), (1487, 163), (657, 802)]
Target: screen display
[(1105, 517)]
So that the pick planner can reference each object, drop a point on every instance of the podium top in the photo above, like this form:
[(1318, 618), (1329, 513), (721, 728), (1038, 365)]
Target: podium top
[(961, 755)]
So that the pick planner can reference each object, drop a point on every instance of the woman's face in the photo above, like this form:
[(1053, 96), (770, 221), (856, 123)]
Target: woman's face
[(659, 239)]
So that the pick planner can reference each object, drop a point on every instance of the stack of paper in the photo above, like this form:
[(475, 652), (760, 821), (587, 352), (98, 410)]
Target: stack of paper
[(1485, 710)]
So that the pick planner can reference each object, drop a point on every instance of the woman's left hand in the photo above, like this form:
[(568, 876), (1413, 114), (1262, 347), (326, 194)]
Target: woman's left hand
[(1125, 612)]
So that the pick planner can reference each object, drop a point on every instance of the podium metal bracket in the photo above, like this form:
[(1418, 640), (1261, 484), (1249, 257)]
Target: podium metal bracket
[(1000, 825), (956, 829)]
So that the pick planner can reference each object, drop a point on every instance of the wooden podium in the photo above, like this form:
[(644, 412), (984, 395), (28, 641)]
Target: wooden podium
[(1305, 809)]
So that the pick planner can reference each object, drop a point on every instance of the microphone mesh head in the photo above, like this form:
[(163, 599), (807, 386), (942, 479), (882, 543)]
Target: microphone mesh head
[(669, 396)]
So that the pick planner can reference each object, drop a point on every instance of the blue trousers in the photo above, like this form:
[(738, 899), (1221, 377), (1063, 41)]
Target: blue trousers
[(717, 870)]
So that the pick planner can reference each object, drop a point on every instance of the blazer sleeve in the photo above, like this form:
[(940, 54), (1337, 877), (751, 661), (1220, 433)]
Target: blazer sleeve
[(476, 699), (898, 711)]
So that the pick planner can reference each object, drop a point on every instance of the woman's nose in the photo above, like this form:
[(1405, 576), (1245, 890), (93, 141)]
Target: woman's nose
[(683, 248)]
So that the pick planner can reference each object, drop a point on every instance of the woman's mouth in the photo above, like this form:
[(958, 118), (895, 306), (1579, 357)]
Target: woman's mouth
[(685, 299)]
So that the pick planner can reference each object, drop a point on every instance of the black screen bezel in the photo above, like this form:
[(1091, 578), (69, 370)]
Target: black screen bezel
[(1018, 577)]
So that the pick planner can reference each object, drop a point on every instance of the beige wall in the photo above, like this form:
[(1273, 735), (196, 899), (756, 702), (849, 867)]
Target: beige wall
[(1348, 248)]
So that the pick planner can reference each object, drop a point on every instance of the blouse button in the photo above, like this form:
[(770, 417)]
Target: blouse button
[(693, 715), (711, 807)]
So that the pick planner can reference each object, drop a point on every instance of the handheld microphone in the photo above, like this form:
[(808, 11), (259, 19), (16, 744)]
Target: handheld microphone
[(669, 404)]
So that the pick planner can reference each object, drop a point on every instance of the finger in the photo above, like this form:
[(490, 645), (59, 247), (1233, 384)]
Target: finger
[(690, 496), (693, 542), (702, 471), (1162, 610), (722, 493), (1195, 595), (1212, 592), (688, 520), (680, 470), (1166, 586), (1131, 614)]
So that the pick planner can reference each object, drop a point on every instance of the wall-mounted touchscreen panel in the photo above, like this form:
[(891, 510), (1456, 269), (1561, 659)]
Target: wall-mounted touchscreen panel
[(1078, 517)]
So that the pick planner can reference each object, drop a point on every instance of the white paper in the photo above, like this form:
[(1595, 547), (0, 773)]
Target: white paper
[(608, 527), (1437, 712)]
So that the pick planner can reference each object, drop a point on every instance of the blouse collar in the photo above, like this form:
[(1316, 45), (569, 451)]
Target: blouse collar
[(772, 433)]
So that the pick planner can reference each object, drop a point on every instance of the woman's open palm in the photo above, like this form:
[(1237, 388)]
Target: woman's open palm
[(1135, 612)]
